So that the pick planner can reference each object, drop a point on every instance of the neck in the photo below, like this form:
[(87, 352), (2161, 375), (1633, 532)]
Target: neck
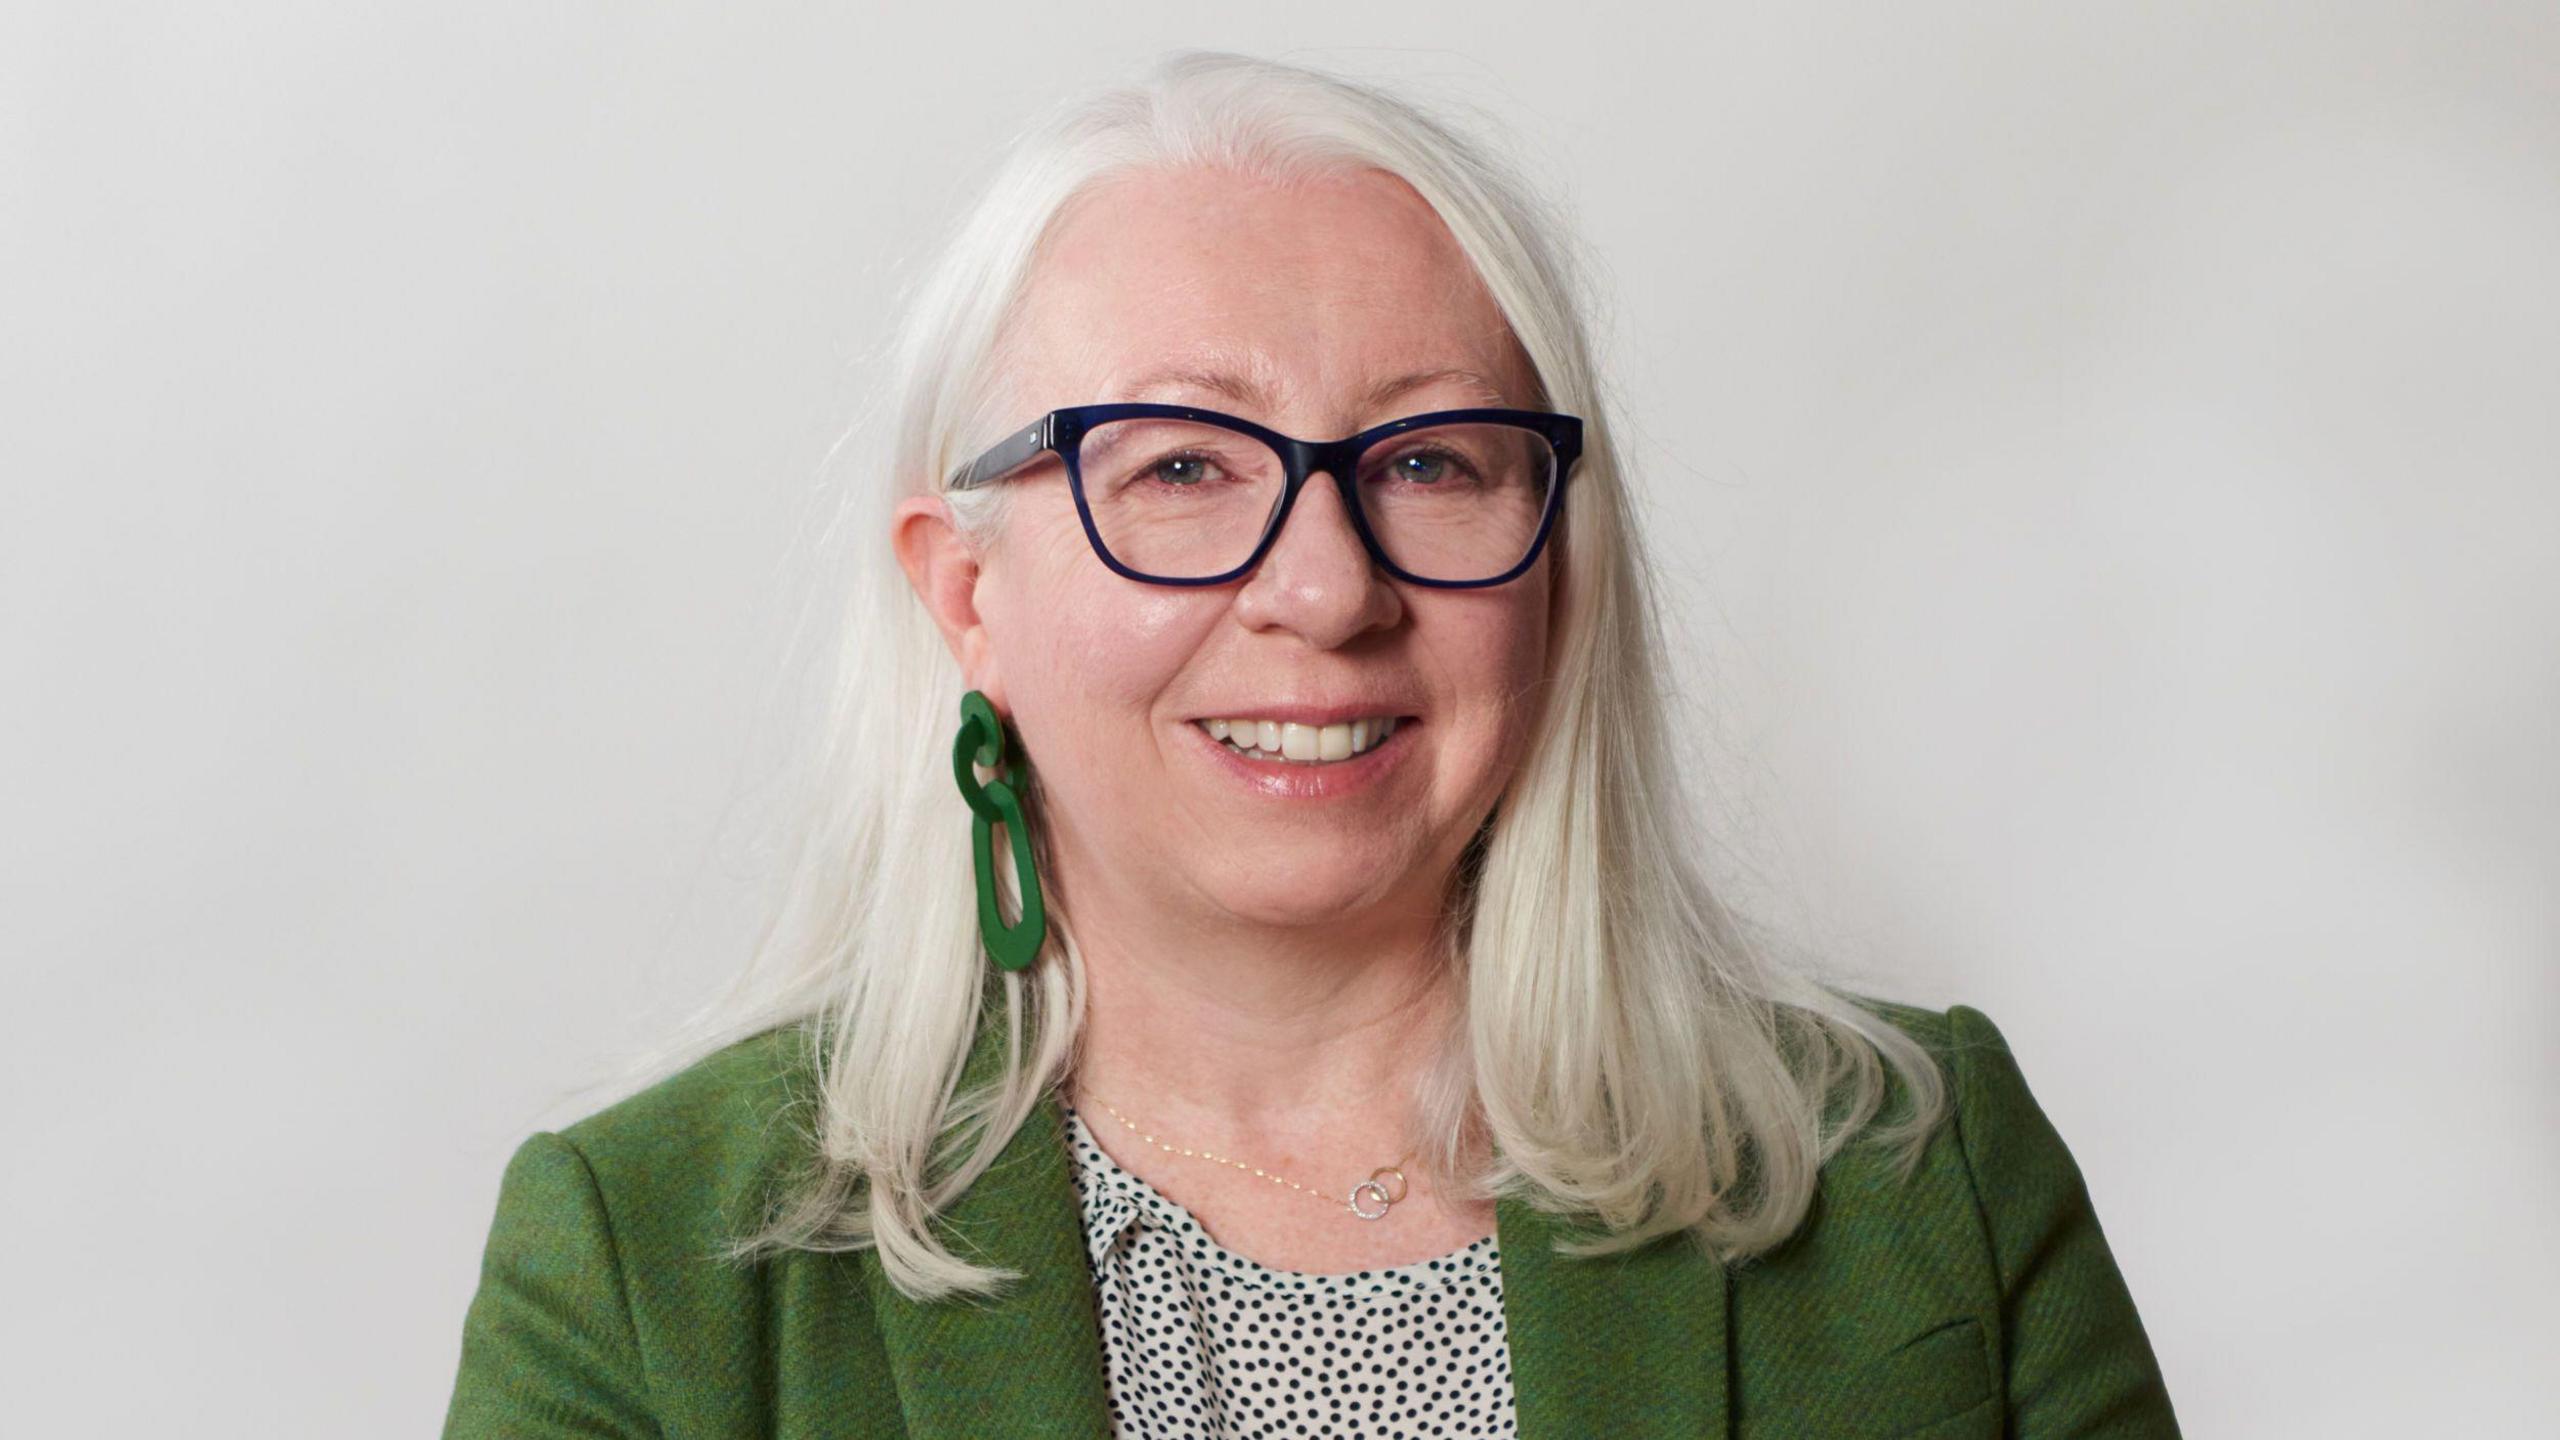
[(1261, 1041)]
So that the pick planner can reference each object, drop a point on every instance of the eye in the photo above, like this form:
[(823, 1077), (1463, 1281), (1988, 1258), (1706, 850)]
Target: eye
[(1420, 467), (1183, 470), (1427, 466)]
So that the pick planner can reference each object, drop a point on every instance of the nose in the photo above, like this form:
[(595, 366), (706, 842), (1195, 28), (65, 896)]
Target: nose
[(1318, 580)]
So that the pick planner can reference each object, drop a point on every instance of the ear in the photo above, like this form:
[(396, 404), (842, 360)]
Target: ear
[(944, 570)]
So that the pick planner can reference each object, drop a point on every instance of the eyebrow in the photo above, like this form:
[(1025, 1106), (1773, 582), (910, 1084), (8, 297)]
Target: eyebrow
[(1250, 390)]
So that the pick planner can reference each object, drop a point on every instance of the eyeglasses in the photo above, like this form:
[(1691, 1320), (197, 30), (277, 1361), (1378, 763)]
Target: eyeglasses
[(1172, 495)]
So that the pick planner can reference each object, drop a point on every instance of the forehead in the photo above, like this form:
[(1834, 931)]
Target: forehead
[(1303, 301)]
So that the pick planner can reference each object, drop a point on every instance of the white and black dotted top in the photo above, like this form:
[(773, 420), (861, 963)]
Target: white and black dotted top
[(1200, 1343)]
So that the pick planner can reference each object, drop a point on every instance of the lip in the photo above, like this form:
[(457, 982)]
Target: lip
[(1342, 714), (1298, 780)]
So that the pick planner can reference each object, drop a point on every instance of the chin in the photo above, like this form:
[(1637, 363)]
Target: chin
[(1291, 900)]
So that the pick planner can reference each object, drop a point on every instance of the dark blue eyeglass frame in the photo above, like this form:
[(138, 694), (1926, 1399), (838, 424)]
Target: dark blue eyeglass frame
[(1061, 432)]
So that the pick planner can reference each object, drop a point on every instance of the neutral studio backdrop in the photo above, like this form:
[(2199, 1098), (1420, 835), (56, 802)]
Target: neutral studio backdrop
[(2105, 460)]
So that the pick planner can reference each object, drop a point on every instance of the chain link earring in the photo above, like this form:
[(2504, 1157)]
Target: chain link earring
[(982, 741)]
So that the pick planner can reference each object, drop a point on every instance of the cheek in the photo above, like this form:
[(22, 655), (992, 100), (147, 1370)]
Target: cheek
[(1491, 649), (1083, 651), (1523, 668), (1492, 661)]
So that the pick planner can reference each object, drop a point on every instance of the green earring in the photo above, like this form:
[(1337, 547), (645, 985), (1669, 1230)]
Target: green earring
[(982, 740)]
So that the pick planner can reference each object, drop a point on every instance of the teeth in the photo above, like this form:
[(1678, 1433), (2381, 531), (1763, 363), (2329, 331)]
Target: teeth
[(1297, 742), (1305, 744), (1333, 742)]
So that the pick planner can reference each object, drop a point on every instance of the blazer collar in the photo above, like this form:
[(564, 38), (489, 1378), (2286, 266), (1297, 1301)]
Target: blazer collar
[(1631, 1345)]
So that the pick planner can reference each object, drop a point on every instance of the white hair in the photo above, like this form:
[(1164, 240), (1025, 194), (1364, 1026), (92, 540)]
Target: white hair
[(1631, 1051)]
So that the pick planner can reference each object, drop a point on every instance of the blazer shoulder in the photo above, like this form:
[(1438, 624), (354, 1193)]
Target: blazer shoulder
[(609, 1304), (728, 1127), (1984, 1085), (1921, 1023), (2077, 1355), (1937, 1031)]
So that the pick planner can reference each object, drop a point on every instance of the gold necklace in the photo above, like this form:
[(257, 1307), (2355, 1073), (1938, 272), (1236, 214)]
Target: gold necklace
[(1375, 1188)]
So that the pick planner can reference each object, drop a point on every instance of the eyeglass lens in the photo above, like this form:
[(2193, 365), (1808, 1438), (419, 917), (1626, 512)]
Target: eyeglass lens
[(1184, 501)]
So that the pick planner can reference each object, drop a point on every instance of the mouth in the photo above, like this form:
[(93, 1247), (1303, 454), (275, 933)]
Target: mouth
[(1298, 743)]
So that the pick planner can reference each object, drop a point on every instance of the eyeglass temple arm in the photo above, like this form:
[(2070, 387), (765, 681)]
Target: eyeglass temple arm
[(1006, 456)]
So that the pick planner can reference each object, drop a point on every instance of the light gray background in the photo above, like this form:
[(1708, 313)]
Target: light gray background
[(2106, 455)]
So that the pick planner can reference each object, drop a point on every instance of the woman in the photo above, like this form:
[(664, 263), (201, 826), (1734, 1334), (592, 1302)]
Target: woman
[(1326, 1032)]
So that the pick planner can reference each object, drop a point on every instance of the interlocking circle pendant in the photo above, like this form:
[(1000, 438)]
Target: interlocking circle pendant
[(1376, 1189)]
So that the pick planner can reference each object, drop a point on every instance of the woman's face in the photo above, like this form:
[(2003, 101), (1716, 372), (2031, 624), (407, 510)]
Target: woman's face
[(1318, 310)]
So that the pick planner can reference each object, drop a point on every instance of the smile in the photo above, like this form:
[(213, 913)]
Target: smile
[(1291, 741)]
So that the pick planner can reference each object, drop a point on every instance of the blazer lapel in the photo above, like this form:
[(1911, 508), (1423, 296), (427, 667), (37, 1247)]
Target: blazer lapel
[(1030, 1362), (1630, 1346)]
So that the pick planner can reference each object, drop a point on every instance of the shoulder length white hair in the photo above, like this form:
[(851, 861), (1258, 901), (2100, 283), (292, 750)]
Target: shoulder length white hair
[(1630, 1051)]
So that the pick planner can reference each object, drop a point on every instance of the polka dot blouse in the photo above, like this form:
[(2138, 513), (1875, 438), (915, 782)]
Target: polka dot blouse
[(1200, 1343)]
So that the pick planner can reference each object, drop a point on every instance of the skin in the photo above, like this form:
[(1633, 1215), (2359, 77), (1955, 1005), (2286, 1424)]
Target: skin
[(1263, 973)]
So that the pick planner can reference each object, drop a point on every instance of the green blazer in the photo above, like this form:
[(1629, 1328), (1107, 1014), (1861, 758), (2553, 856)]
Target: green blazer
[(1977, 1301)]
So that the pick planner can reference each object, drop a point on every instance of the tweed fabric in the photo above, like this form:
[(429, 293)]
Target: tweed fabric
[(1976, 1301)]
